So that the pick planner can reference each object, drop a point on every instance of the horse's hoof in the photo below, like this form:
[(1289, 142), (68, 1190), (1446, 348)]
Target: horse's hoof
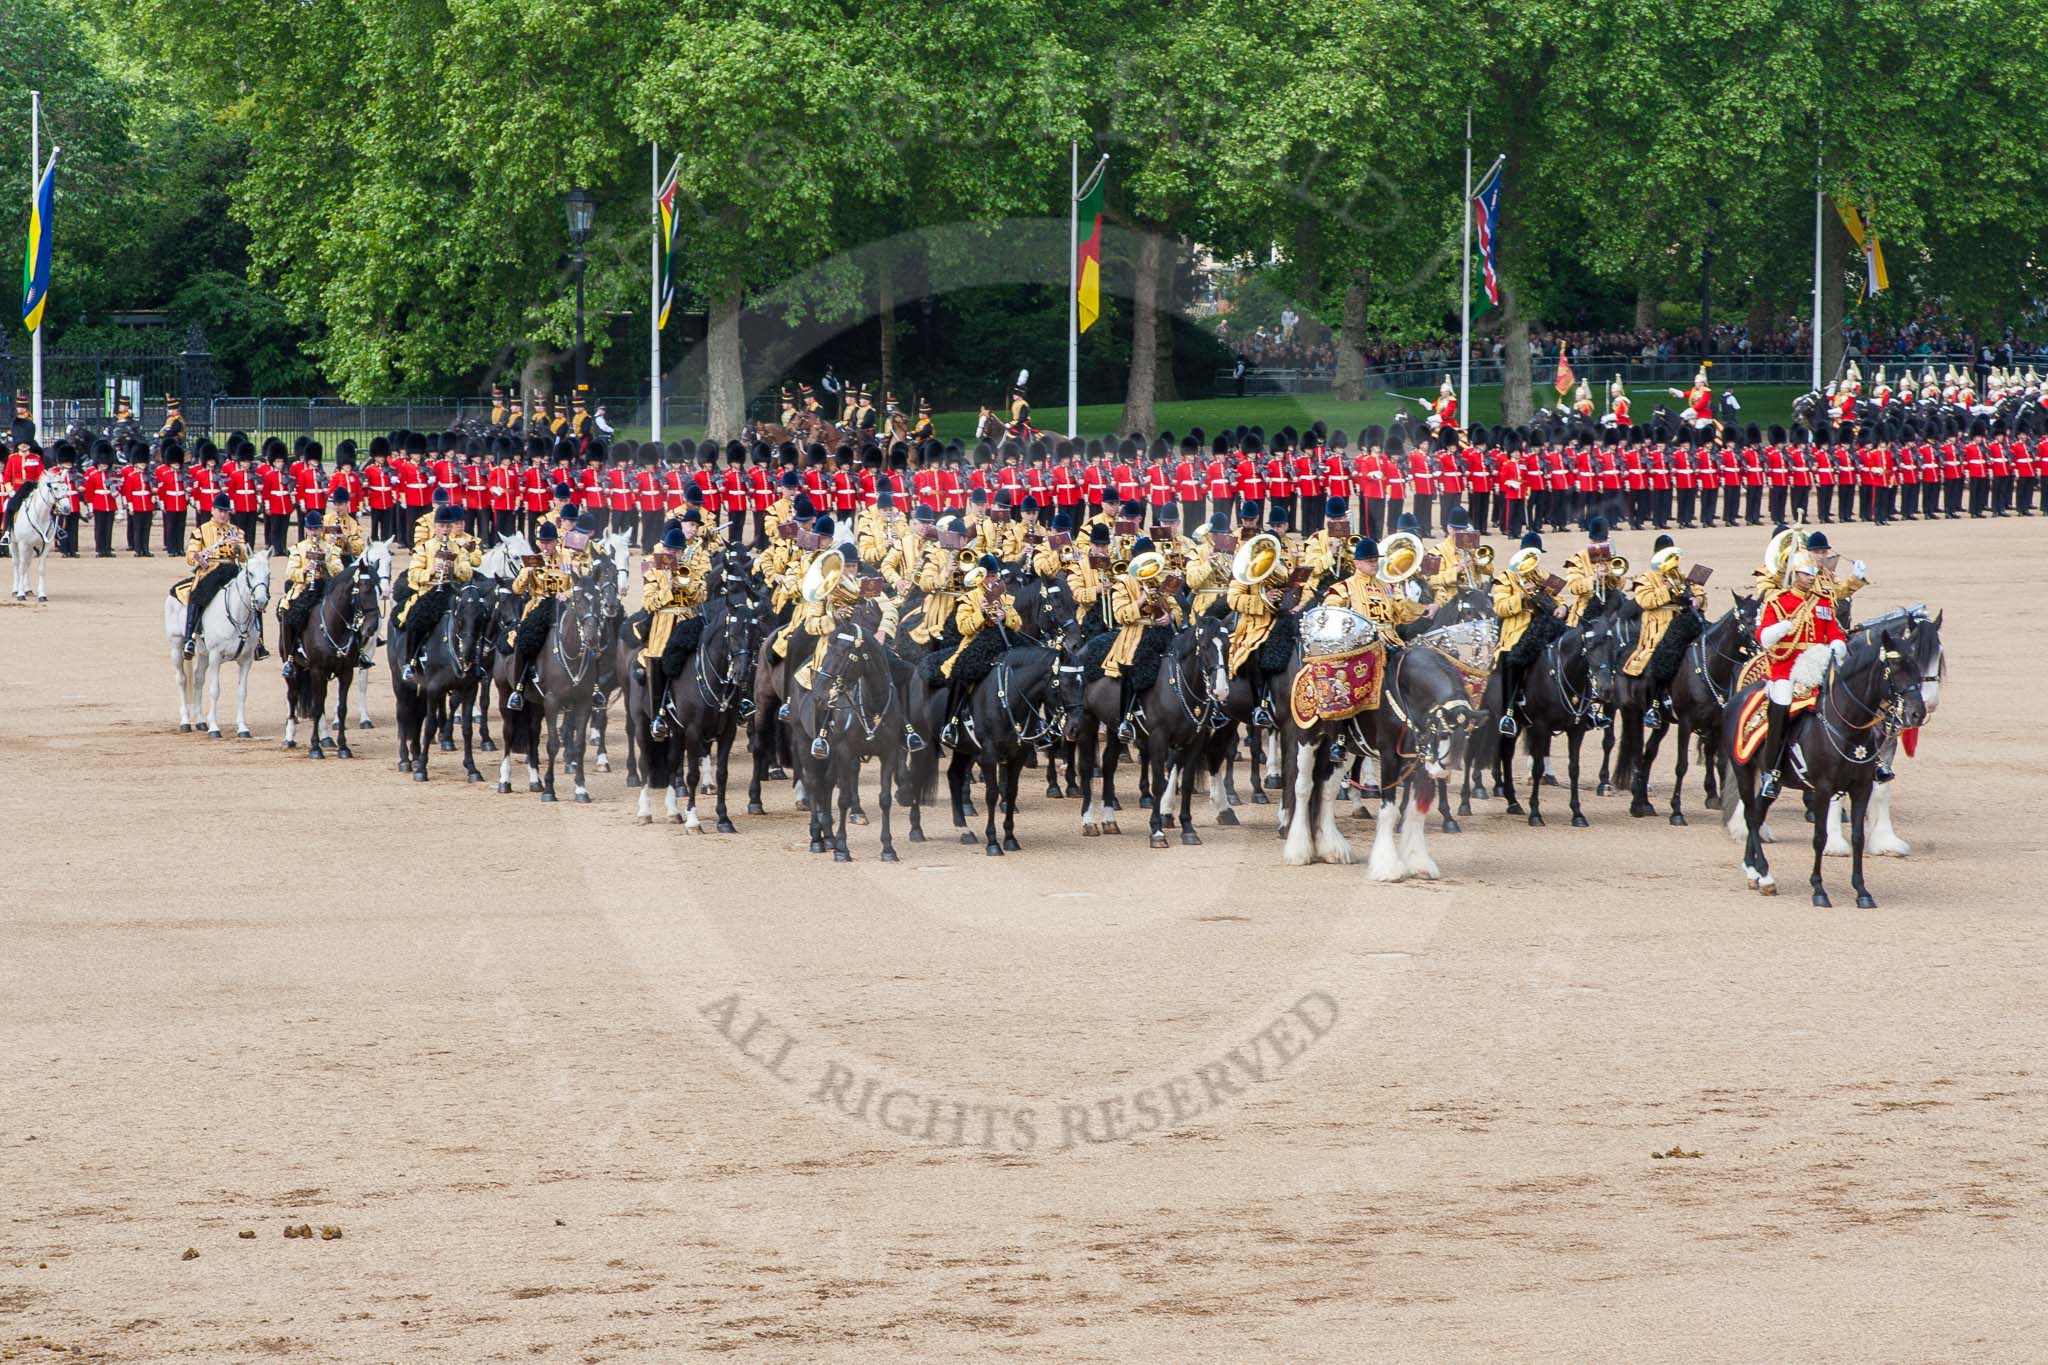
[(1767, 888), (1010, 844), (856, 817), (533, 787), (1514, 808), (504, 789), (889, 855), (289, 744), (803, 803), (1677, 818), (1639, 809), (604, 763), (967, 838), (1158, 839), (1168, 821), (1499, 791), (1110, 827), (184, 729), (1052, 792), (1451, 826), (1073, 790), (1272, 783), (405, 765), (1188, 836), (917, 836), (343, 751), (315, 753), (1865, 901), (1464, 808), (244, 734), (1259, 798), (582, 798), (727, 827), (1821, 901), (693, 829), (1144, 802), (1549, 781), (817, 845), (1535, 819), (643, 819), (1749, 882), (1226, 816), (488, 746), (756, 808), (777, 774), (840, 855), (994, 850), (1601, 789), (1579, 821), (420, 776), (366, 725), (473, 776), (1090, 832), (547, 797)]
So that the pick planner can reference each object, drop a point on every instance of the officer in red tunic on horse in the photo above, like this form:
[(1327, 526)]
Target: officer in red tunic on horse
[(1799, 633)]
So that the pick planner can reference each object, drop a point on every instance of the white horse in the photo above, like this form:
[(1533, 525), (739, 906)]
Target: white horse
[(34, 533), (378, 555), (501, 561), (226, 634)]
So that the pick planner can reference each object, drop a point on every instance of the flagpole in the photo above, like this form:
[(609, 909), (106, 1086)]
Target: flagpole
[(1073, 291), (1816, 269), (654, 296), (1465, 327), (35, 342)]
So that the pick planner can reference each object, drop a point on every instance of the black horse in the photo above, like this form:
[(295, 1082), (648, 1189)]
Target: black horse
[(566, 665), (1186, 731), (1870, 694), (457, 654), (706, 699), (1031, 697), (1699, 695), (1558, 699), (855, 704), (332, 644)]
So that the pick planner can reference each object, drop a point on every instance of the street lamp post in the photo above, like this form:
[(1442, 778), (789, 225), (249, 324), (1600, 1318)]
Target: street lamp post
[(582, 208)]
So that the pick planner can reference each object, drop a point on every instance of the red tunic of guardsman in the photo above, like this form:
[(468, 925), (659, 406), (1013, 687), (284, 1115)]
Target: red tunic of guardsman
[(1445, 408), (1700, 398)]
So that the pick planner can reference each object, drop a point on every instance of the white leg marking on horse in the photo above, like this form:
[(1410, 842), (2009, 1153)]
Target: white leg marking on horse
[(1331, 845), (1217, 804), (643, 812), (505, 769), (1738, 822), (1838, 840), (1385, 863), (1300, 849), (1415, 859), (1880, 837)]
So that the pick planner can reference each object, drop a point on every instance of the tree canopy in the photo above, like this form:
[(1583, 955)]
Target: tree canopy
[(366, 195)]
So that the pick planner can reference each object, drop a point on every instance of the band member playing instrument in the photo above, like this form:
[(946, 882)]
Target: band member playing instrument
[(444, 561), (216, 551), (314, 561)]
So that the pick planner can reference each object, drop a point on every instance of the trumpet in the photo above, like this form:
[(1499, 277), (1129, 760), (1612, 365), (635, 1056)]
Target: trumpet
[(1617, 565)]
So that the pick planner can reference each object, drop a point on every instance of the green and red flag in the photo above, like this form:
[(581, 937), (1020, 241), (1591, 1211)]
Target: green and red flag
[(665, 202), (1088, 251)]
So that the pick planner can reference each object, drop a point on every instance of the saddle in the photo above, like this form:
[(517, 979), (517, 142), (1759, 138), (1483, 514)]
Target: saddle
[(1749, 727), (182, 590)]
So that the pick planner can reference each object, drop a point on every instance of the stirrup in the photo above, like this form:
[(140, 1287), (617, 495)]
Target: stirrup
[(191, 647), (1508, 727), (820, 749), (950, 735), (515, 700), (286, 671), (1336, 751), (1262, 715), (782, 711), (597, 698), (913, 741), (657, 729), (746, 708), (1125, 731), (262, 651), (1767, 786), (1653, 718)]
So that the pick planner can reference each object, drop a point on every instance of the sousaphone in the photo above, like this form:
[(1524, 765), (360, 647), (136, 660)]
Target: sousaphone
[(1257, 560), (823, 576)]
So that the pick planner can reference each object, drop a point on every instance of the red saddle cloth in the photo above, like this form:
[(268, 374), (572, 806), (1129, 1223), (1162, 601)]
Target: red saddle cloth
[(1339, 687)]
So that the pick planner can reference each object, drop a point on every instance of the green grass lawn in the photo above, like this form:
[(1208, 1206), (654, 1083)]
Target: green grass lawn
[(1761, 403)]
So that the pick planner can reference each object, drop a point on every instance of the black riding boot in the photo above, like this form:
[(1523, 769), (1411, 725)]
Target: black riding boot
[(1125, 700), (191, 625), (1777, 728), (1510, 698), (657, 701), (262, 652)]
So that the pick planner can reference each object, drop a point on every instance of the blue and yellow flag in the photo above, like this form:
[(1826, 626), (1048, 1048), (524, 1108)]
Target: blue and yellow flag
[(35, 264)]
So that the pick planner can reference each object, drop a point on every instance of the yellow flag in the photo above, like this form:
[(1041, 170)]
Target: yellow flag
[(1875, 278)]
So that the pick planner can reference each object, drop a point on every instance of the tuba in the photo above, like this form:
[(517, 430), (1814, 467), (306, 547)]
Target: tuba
[(1257, 560), (1779, 552), (1400, 557), (823, 576)]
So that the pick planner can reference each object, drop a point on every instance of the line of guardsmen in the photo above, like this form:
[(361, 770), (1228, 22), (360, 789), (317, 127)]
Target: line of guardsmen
[(1506, 480)]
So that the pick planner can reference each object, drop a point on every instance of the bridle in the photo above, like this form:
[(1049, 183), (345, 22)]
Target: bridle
[(352, 632), (1887, 716), (586, 646), (1705, 664), (721, 690)]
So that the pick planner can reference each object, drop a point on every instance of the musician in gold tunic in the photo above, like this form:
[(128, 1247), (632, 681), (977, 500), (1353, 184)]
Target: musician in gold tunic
[(313, 563), (1366, 593), (1592, 573), (216, 551), (1665, 596), (448, 558), (1518, 598), (543, 580), (670, 595)]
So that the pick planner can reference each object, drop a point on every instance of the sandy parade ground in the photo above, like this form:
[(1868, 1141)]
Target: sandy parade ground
[(577, 1090)]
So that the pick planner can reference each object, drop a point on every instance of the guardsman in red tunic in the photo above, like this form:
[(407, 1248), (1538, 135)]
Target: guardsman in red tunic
[(1443, 413), (2001, 477), (99, 494), (1777, 475), (1799, 634), (1658, 475), (280, 493), (2026, 473), (1798, 474), (173, 495), (138, 500), (1977, 465)]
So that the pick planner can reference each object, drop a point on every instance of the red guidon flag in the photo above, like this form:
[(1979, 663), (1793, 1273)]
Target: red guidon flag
[(1563, 382), (1088, 254)]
